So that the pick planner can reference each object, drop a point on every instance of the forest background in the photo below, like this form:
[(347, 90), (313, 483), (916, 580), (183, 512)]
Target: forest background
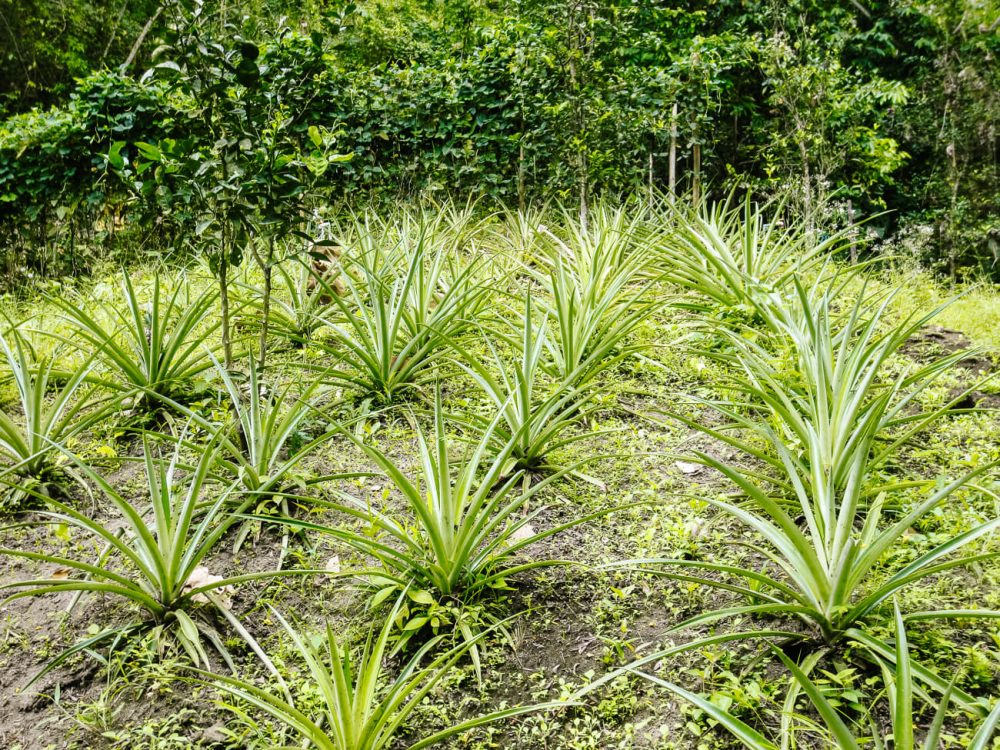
[(118, 117)]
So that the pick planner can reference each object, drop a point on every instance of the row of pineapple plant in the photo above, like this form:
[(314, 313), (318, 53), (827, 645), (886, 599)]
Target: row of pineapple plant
[(533, 321)]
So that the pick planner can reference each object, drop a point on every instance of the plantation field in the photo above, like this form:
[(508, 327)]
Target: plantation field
[(670, 480)]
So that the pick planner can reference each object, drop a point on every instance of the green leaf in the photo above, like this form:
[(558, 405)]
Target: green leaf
[(115, 158), (149, 151), (315, 136), (750, 737), (381, 595), (421, 597), (187, 626)]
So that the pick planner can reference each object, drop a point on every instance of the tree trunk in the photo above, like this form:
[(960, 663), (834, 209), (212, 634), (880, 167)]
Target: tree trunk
[(227, 344), (953, 213), (577, 84), (672, 175), (142, 37), (520, 176), (806, 186), (850, 226), (267, 268), (651, 191), (696, 181)]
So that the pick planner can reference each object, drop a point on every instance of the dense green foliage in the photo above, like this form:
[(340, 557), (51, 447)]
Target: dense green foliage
[(46, 45), (851, 108)]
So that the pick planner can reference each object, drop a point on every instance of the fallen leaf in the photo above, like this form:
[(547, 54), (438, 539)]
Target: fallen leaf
[(201, 576), (687, 467), (523, 533), (694, 529)]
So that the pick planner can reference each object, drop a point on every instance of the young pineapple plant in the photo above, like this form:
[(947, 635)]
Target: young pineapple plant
[(260, 449), (405, 300), (303, 294), (362, 705), (156, 558), (51, 408), (149, 351), (600, 290), (900, 677), (827, 519), (538, 414), (454, 546), (734, 261)]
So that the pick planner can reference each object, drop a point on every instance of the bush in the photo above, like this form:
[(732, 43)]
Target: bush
[(55, 197)]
